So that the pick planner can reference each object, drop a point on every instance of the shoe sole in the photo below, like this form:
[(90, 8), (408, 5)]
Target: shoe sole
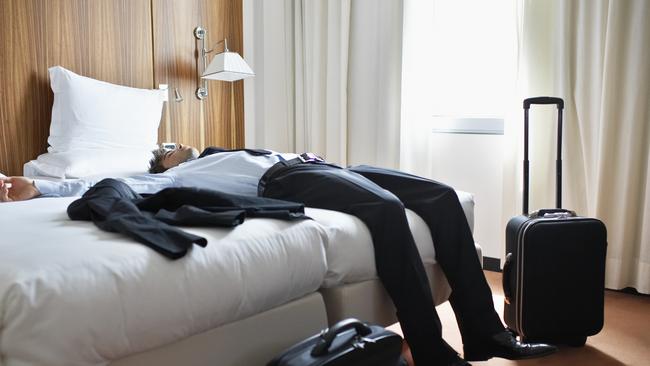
[(483, 357)]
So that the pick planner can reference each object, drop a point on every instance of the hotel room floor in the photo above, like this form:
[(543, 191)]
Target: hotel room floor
[(624, 340)]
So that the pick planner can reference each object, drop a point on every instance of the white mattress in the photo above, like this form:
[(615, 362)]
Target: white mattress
[(71, 294), (350, 254)]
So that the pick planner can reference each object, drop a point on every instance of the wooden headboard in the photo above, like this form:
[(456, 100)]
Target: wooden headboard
[(139, 43)]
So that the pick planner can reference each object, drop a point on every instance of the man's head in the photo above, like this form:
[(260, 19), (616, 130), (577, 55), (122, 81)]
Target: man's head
[(164, 159)]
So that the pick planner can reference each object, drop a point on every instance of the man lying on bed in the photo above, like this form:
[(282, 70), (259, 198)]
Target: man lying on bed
[(377, 197)]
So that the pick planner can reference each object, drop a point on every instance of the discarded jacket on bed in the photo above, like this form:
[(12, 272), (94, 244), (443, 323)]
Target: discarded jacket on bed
[(113, 206)]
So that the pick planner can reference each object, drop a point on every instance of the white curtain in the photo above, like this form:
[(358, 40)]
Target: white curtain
[(321, 31), (416, 111), (328, 81), (596, 55), (328, 78)]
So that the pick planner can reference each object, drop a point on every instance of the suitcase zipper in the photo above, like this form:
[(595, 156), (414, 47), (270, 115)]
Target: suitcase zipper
[(520, 272)]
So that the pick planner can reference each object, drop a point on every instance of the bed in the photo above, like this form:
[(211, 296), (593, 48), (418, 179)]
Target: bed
[(71, 294)]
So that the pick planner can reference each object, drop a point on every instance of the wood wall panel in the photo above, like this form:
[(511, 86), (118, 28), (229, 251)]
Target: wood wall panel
[(106, 40), (227, 17), (175, 65), (200, 123), (24, 120)]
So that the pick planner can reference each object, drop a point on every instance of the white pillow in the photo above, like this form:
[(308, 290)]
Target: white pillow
[(92, 114), (89, 163)]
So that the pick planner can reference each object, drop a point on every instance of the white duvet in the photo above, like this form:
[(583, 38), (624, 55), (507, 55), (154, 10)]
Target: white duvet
[(71, 294)]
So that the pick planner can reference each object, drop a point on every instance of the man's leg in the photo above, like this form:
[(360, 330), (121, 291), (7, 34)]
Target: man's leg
[(398, 262), (439, 207)]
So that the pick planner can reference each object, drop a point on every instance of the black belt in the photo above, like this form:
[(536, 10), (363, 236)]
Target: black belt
[(304, 158)]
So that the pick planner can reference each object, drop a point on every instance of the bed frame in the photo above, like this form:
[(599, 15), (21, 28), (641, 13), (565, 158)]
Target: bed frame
[(257, 339)]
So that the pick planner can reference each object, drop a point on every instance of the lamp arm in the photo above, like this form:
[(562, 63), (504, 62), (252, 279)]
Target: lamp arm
[(200, 33), (225, 46), (202, 91)]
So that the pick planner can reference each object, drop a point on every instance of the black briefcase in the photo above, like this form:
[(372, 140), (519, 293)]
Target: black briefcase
[(554, 273), (348, 342)]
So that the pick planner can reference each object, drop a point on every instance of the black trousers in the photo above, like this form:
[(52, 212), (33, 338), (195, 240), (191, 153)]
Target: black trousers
[(378, 197)]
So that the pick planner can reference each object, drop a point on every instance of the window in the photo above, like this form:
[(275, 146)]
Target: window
[(474, 65)]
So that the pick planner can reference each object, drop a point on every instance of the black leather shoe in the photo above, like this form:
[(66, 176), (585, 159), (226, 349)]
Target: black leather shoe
[(505, 345)]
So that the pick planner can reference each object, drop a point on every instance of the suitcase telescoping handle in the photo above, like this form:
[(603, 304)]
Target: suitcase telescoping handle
[(558, 163), (330, 334)]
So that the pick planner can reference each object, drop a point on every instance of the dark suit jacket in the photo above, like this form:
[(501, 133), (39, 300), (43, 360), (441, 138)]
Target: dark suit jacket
[(113, 206)]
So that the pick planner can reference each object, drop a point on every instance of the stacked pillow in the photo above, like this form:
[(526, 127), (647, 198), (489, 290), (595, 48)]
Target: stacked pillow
[(98, 128)]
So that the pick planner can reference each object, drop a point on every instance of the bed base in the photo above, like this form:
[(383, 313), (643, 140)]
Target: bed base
[(248, 342), (257, 339), (354, 300)]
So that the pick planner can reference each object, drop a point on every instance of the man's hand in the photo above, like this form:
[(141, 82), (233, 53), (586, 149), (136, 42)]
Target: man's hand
[(17, 189)]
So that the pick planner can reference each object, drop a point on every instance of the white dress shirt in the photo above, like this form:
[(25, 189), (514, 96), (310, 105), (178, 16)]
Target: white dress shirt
[(235, 172)]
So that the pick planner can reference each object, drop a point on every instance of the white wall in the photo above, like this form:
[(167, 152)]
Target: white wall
[(248, 10), (473, 163)]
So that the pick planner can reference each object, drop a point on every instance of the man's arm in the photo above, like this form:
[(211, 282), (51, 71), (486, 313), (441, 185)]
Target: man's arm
[(68, 188), (21, 188), (17, 189)]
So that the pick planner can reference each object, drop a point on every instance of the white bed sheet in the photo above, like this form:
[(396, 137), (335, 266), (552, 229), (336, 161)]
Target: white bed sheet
[(71, 294), (350, 254)]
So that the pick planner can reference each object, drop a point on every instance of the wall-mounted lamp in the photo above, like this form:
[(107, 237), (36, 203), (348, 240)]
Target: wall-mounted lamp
[(226, 66)]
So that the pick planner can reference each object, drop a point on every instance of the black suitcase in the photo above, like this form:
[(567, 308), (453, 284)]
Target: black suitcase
[(348, 342), (554, 273)]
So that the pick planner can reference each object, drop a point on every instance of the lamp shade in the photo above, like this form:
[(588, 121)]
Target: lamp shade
[(227, 66)]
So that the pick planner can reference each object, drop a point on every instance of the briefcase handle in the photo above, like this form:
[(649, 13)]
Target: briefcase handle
[(328, 336), (558, 162)]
